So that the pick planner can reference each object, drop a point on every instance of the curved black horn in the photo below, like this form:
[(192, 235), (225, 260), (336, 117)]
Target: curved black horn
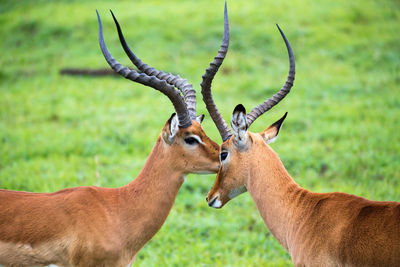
[(208, 77), (183, 85), (276, 98), (151, 81)]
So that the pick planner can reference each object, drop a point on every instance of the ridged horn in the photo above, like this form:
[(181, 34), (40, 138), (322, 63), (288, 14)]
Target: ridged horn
[(145, 79), (276, 98), (208, 77), (183, 85)]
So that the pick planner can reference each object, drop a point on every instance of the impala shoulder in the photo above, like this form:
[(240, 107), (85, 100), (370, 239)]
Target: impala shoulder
[(79, 196)]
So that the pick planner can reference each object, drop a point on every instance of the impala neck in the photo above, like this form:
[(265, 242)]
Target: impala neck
[(148, 199), (275, 194)]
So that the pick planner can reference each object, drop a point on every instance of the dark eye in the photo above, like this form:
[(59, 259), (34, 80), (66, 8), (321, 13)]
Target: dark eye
[(223, 155), (191, 141)]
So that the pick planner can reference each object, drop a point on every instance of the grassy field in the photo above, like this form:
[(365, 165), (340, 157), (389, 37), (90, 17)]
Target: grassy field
[(341, 134)]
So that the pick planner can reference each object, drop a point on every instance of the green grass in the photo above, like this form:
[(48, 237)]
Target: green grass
[(341, 134)]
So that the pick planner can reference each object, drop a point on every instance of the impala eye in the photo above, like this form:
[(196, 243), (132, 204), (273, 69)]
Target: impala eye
[(191, 141), (223, 155)]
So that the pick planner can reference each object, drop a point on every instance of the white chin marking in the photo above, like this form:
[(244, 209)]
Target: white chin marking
[(217, 204)]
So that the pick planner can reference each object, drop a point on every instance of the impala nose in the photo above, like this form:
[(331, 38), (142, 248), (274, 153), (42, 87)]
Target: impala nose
[(212, 202), (215, 203)]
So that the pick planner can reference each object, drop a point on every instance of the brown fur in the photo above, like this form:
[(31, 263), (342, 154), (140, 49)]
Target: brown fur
[(317, 229), (94, 226)]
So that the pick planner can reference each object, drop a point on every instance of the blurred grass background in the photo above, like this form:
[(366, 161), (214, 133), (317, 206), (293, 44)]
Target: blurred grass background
[(342, 132)]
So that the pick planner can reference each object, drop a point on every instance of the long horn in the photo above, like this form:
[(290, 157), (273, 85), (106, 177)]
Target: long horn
[(151, 81), (208, 77), (186, 88), (276, 98)]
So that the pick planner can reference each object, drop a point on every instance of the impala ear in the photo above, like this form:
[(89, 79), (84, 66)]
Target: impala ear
[(200, 118), (239, 125), (171, 128), (271, 133)]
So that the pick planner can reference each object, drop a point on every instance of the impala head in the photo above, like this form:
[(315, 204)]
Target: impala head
[(236, 155), (192, 149), (241, 147), (184, 139)]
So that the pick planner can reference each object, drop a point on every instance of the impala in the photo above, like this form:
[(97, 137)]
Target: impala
[(94, 226), (317, 229)]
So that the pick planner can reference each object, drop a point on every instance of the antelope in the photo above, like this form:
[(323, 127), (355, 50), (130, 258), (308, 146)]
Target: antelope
[(317, 229), (95, 226)]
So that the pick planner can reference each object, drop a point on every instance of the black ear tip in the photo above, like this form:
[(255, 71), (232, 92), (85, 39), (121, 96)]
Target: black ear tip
[(240, 108), (279, 122), (170, 118), (283, 118), (201, 117)]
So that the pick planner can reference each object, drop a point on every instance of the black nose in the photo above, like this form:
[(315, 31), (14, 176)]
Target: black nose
[(207, 199), (212, 201)]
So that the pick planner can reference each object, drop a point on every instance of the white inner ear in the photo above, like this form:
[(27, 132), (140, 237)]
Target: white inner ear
[(268, 139), (173, 128), (273, 139), (239, 126)]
